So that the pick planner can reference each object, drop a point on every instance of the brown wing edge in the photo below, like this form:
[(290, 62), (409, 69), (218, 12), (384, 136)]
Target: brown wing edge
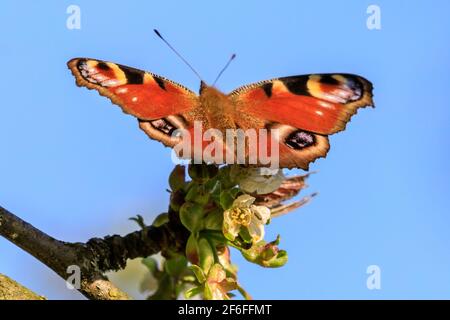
[(351, 108), (81, 82)]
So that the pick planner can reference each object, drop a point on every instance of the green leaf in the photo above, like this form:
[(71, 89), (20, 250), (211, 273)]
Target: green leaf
[(151, 264), (198, 194), (226, 178), (189, 278), (215, 194), (213, 236), (234, 192), (207, 292), (175, 266), (177, 200), (193, 292), (192, 249), (202, 172), (212, 186), (139, 220), (199, 274), (206, 255), (244, 293), (226, 199), (165, 291)]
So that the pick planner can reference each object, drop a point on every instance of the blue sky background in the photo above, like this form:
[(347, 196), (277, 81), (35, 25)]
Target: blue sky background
[(76, 167)]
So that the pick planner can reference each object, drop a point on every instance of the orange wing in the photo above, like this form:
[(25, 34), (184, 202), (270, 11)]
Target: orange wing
[(305, 109), (158, 103), (320, 103), (139, 93)]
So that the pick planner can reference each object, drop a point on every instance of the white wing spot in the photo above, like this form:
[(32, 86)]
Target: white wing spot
[(325, 104), (110, 83), (122, 90)]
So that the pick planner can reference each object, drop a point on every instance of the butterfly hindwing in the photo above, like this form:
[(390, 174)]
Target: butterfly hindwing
[(320, 103), (297, 147), (145, 95)]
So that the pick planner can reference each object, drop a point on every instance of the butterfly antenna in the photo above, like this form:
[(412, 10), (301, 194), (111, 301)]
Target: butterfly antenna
[(177, 53), (224, 68)]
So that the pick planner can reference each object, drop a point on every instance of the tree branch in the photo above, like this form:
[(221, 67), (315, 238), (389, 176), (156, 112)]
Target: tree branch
[(96, 256), (11, 290)]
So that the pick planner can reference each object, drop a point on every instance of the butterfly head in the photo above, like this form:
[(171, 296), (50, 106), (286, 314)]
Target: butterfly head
[(203, 86), (209, 92)]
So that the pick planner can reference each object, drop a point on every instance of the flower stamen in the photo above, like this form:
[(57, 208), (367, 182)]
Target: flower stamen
[(241, 216)]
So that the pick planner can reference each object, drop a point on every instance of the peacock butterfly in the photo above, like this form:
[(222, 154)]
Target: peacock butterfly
[(303, 109)]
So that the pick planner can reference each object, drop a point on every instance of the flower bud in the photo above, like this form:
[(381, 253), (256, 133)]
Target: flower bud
[(266, 254), (177, 179), (161, 219), (214, 220), (198, 194), (191, 216), (202, 172), (177, 200)]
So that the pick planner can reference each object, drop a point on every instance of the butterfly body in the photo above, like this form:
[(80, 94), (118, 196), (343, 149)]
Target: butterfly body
[(219, 110), (302, 110)]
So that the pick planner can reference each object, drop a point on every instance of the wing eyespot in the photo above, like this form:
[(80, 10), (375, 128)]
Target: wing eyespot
[(167, 125), (163, 125), (300, 139)]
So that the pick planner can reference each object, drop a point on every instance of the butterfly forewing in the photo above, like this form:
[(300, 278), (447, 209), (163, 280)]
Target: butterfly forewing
[(320, 103), (305, 109), (139, 93)]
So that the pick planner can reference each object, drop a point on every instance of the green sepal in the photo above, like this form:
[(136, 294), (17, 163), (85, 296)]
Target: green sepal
[(245, 235)]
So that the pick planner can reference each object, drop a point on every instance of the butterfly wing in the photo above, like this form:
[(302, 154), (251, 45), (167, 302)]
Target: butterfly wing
[(305, 109), (320, 103), (159, 104)]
